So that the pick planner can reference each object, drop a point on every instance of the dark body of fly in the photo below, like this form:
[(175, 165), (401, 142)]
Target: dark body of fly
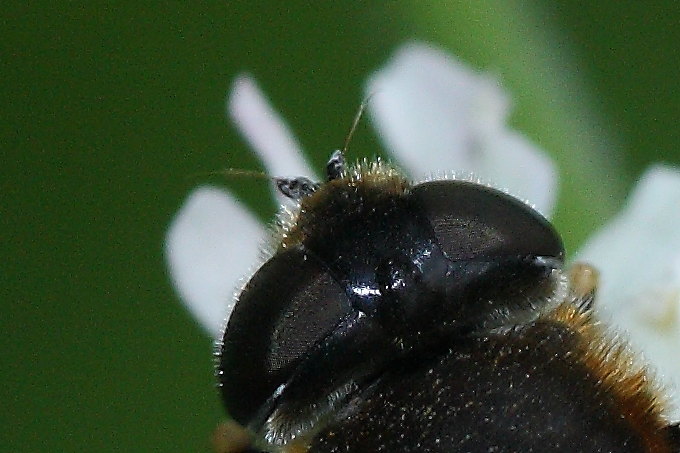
[(435, 317)]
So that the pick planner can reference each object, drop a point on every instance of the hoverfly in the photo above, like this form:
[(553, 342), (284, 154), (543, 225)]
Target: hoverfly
[(438, 317)]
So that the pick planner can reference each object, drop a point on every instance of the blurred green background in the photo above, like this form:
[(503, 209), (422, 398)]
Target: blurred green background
[(110, 108)]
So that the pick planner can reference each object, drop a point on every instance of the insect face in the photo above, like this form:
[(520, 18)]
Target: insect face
[(427, 317)]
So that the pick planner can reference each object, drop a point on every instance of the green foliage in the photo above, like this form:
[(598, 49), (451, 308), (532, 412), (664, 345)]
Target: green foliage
[(109, 111)]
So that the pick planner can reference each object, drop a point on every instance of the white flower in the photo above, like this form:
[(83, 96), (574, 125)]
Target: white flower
[(434, 114), (638, 256)]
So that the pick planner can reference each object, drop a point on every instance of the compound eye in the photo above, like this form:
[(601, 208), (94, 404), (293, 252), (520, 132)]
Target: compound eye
[(471, 221), (291, 304)]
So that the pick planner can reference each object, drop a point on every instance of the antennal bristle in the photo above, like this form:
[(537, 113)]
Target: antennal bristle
[(355, 123), (234, 172), (239, 172)]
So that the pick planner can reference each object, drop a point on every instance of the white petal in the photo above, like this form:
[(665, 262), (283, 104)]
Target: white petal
[(265, 130), (434, 114), (211, 244), (533, 176), (638, 254)]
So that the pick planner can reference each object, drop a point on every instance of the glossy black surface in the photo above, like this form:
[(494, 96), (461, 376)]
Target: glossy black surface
[(289, 306)]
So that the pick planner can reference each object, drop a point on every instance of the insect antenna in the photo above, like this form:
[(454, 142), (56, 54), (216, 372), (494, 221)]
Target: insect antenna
[(355, 123), (336, 164), (294, 188)]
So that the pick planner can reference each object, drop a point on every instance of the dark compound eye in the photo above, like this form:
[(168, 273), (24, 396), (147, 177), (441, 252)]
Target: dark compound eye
[(500, 256), (472, 221), (287, 307)]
